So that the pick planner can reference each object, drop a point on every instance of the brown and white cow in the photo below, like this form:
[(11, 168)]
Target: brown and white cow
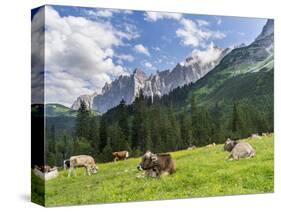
[(120, 155), (157, 165), (85, 161)]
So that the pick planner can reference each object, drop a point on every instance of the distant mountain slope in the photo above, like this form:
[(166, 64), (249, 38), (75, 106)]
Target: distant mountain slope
[(52, 110), (245, 75)]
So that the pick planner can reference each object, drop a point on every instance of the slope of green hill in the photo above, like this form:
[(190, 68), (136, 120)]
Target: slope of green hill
[(53, 110), (200, 172)]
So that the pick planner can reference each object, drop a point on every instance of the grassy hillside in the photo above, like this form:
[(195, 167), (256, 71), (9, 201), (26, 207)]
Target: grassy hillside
[(58, 110), (200, 172)]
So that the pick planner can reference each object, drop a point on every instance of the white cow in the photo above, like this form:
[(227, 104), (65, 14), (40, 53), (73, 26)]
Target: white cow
[(85, 161)]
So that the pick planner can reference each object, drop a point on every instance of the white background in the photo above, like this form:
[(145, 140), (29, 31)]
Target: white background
[(15, 103)]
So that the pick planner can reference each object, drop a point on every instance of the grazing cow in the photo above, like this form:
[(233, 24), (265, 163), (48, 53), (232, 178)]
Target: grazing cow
[(85, 161), (191, 147), (211, 145), (120, 155), (255, 136), (66, 164), (157, 165), (239, 149)]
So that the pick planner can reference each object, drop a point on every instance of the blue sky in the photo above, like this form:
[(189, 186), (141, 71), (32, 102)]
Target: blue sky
[(115, 42)]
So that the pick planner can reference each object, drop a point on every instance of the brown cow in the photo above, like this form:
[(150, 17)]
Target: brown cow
[(157, 165), (120, 155)]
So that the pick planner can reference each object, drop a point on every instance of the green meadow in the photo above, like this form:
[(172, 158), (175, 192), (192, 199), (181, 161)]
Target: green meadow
[(201, 172)]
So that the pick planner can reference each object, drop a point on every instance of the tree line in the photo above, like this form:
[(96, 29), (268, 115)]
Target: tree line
[(153, 125)]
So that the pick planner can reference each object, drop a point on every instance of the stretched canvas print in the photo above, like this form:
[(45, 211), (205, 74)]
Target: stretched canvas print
[(144, 105)]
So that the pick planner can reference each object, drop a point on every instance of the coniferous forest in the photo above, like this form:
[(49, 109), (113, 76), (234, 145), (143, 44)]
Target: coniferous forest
[(160, 125)]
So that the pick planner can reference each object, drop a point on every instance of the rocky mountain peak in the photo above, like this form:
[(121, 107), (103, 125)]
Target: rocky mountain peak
[(267, 30), (87, 99), (106, 87), (158, 84), (139, 74)]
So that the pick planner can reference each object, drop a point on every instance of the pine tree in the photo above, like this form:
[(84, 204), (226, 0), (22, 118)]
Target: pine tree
[(138, 123), (94, 135), (52, 141), (186, 130), (148, 140), (103, 133), (82, 121), (82, 146), (123, 120), (107, 153), (235, 118), (241, 123)]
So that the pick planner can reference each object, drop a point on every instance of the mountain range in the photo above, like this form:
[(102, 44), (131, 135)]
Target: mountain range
[(227, 63), (158, 84)]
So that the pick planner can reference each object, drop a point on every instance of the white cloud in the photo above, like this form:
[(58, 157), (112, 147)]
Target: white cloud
[(156, 48), (202, 23), (104, 13), (131, 30), (155, 16), (78, 56), (141, 49), (37, 55), (194, 35), (126, 57), (148, 65), (211, 53), (128, 12)]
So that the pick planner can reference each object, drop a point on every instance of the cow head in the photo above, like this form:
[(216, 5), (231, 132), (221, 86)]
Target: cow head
[(95, 169), (148, 161), (229, 145)]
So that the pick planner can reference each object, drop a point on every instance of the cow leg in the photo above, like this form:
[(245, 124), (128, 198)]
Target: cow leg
[(88, 171), (115, 159), (70, 170), (74, 170)]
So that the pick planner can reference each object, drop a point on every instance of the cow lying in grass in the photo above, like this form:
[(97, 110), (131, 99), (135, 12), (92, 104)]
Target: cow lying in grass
[(85, 161), (157, 165), (46, 172), (239, 149), (120, 155)]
